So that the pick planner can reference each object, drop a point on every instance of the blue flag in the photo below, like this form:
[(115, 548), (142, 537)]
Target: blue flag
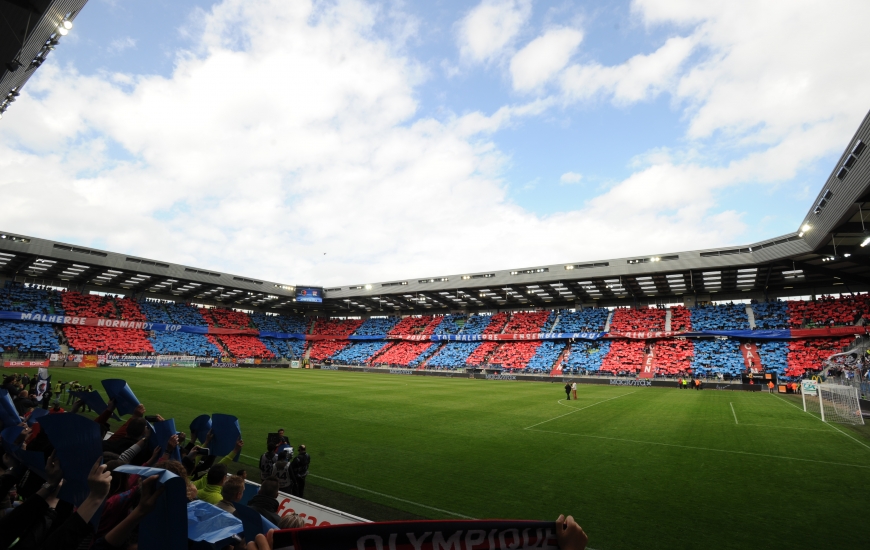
[(118, 390), (226, 432), (166, 526), (161, 432)]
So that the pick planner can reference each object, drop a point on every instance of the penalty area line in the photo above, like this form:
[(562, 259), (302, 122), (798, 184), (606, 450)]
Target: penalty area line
[(823, 422), (706, 449), (578, 409), (734, 413), (391, 497)]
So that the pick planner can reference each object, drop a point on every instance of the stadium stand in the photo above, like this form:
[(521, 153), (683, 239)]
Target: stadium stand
[(376, 326), (323, 349), (681, 319), (771, 315), (545, 356), (827, 311), (178, 343), (586, 356), (586, 320), (427, 353), (476, 324), (28, 337), (719, 317), (808, 355), (450, 324), (717, 356), (773, 355), (527, 322), (551, 321), (453, 355), (673, 356), (480, 354), (100, 339), (358, 353), (423, 324), (401, 353), (640, 319), (514, 355), (336, 327), (290, 324), (29, 299), (625, 356), (285, 348)]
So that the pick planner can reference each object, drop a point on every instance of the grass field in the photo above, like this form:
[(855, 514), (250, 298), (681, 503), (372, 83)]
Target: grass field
[(637, 467)]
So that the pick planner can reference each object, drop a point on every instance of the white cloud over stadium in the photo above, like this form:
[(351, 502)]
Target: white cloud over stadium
[(287, 143)]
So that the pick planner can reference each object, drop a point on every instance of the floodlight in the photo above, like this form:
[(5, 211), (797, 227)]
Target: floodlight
[(67, 24), (806, 227), (63, 31), (866, 241)]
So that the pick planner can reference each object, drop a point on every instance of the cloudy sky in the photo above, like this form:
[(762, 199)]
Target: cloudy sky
[(348, 141)]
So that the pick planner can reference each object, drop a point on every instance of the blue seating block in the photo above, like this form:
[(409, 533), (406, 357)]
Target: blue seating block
[(545, 356), (714, 356), (450, 324), (285, 348), (771, 315), (359, 353), (290, 324), (29, 299), (720, 317), (427, 353), (774, 356), (377, 326), (475, 324), (587, 320), (183, 343), (453, 355), (586, 356), (28, 337)]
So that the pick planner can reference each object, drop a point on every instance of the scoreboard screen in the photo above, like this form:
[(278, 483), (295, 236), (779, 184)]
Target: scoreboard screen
[(309, 294)]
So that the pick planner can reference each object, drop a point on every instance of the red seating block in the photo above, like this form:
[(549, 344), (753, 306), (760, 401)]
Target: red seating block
[(526, 322), (514, 355), (496, 324), (401, 353), (321, 349), (423, 324), (640, 319), (336, 327), (481, 352), (810, 354), (100, 339), (827, 311), (624, 356), (225, 318), (673, 356), (681, 319)]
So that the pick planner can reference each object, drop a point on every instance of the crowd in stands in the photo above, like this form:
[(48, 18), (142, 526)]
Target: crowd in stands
[(545, 356), (28, 338), (809, 354), (285, 348), (625, 356), (828, 311), (453, 355), (681, 319), (288, 324), (67, 483), (717, 356), (376, 326), (527, 322), (401, 353), (583, 320), (771, 315), (719, 317), (359, 353), (336, 327), (586, 357), (30, 299), (450, 324), (480, 354), (323, 349), (183, 343), (638, 319), (425, 355), (412, 325), (673, 356), (514, 355), (239, 345)]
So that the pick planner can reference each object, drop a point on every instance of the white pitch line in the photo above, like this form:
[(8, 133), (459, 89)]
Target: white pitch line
[(826, 424), (578, 409), (734, 413), (705, 449), (385, 495)]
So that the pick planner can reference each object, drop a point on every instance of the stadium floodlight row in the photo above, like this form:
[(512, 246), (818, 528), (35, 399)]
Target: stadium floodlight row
[(824, 256), (31, 31)]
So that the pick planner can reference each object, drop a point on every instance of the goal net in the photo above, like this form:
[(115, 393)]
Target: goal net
[(832, 402)]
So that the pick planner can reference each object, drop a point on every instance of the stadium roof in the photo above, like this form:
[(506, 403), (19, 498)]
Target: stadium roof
[(31, 29), (824, 256)]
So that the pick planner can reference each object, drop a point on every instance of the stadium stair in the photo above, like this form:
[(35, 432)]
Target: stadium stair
[(380, 352), (555, 322), (668, 320), (609, 319), (424, 364), (751, 315)]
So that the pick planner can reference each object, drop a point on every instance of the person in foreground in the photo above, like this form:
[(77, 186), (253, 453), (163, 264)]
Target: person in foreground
[(569, 535)]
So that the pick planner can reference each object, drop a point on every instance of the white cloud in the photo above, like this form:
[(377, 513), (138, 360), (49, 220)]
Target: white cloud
[(543, 57), (325, 150), (120, 44), (490, 27), (571, 177), (639, 78)]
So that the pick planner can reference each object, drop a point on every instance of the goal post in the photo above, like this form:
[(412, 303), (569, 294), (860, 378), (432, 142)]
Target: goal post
[(833, 402)]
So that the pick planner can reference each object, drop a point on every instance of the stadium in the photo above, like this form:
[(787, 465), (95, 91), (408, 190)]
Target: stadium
[(448, 396)]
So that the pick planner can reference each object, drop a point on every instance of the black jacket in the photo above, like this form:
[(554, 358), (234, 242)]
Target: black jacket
[(299, 465), (266, 506)]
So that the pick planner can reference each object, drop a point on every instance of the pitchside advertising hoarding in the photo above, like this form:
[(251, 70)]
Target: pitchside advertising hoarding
[(309, 294), (315, 515)]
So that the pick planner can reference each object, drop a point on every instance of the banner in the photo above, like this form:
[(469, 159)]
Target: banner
[(424, 535), (88, 362), (315, 515), (810, 387), (25, 363), (175, 361), (501, 337)]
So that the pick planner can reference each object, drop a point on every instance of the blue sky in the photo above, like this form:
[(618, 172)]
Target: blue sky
[(346, 141)]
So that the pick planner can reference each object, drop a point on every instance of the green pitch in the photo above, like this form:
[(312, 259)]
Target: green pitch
[(637, 467)]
